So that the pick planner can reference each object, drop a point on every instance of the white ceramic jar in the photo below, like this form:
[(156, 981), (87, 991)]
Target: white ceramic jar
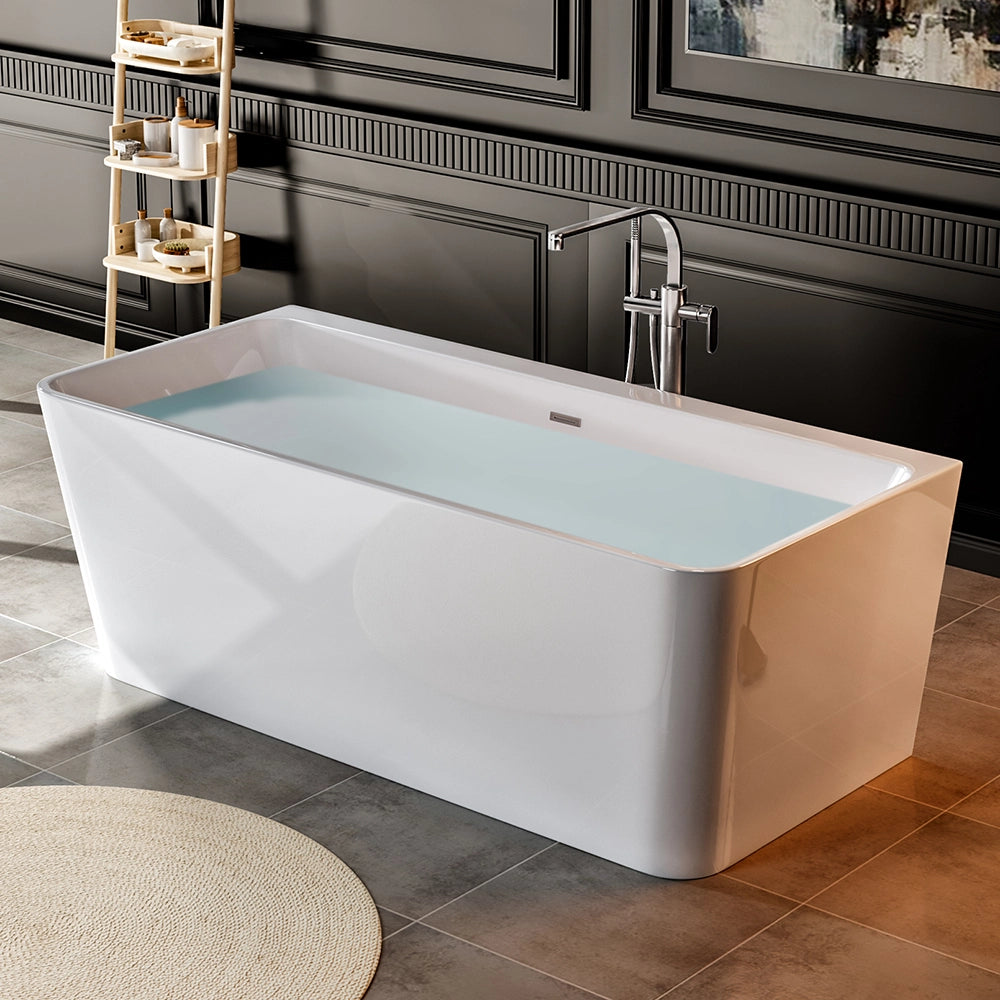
[(193, 135), (156, 133)]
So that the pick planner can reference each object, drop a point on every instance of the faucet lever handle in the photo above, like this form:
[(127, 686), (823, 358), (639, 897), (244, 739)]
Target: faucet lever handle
[(708, 315)]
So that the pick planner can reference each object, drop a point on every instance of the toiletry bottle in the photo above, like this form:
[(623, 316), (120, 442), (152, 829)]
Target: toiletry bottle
[(143, 230), (168, 225), (179, 115)]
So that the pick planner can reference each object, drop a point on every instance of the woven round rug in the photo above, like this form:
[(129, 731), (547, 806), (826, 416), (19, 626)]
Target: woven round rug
[(118, 892)]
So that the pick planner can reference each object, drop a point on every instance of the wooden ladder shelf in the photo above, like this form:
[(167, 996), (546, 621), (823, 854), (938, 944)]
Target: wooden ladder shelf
[(222, 254)]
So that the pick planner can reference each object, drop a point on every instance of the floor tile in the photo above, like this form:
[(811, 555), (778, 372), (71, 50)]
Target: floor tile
[(57, 701), (42, 778), (34, 489), (965, 658), (957, 750), (24, 409), (12, 769), (23, 531), (966, 585), (21, 444), (21, 369), (17, 638), (192, 753), (605, 928), (939, 888), (43, 587), (831, 844), (983, 805), (950, 608), (419, 962), (814, 956), (413, 851), (56, 345)]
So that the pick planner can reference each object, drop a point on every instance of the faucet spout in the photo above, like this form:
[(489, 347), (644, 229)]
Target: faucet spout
[(667, 306), (671, 237)]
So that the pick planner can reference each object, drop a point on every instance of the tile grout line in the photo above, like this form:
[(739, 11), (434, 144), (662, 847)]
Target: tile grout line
[(34, 649), (27, 465), (976, 606), (514, 961), (107, 743), (735, 947), (19, 423), (760, 888), (972, 819), (975, 791), (410, 921), (964, 615), (492, 878), (897, 937), (23, 553), (42, 354), (80, 642), (906, 798), (24, 513), (307, 798), (959, 697), (808, 902), (38, 770), (864, 864)]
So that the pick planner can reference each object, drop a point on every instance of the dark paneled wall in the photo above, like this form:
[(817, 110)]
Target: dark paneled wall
[(405, 168)]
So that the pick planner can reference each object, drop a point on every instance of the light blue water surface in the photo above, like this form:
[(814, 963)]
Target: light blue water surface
[(651, 506)]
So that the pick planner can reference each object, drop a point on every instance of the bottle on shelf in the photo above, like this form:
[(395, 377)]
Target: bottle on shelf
[(180, 114), (143, 229), (168, 225)]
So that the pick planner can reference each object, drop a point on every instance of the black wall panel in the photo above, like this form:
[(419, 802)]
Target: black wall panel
[(55, 223), (410, 250), (403, 165)]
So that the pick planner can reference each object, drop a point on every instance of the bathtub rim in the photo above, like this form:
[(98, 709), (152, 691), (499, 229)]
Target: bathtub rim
[(921, 467)]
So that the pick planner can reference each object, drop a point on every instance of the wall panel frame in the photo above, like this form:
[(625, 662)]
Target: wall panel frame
[(490, 61)]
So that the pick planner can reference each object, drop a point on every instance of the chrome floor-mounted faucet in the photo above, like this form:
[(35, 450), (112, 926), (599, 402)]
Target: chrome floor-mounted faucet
[(666, 306)]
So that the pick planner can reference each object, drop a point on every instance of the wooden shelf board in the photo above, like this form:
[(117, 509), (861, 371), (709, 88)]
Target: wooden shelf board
[(153, 269), (165, 65), (171, 173)]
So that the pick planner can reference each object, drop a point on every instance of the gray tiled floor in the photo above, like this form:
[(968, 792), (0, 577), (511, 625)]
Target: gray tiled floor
[(893, 891)]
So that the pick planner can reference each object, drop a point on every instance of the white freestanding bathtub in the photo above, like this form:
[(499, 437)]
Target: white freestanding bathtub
[(659, 630)]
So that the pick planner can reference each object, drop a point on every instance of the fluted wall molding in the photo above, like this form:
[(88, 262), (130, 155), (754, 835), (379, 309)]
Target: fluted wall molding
[(815, 216)]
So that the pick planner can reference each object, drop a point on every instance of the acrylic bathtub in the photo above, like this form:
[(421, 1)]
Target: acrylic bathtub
[(668, 714)]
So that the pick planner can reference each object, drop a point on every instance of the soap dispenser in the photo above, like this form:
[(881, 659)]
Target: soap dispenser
[(179, 115)]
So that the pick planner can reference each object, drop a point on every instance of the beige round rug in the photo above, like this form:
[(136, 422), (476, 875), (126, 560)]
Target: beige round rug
[(117, 893)]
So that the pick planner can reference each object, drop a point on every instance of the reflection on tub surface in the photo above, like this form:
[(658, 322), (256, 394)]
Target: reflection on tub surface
[(468, 607)]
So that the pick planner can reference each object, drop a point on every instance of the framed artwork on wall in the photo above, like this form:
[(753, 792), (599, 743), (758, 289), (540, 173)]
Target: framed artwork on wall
[(923, 67), (924, 41)]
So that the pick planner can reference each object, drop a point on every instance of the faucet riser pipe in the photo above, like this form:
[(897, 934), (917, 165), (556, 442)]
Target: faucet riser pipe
[(671, 359), (634, 266)]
